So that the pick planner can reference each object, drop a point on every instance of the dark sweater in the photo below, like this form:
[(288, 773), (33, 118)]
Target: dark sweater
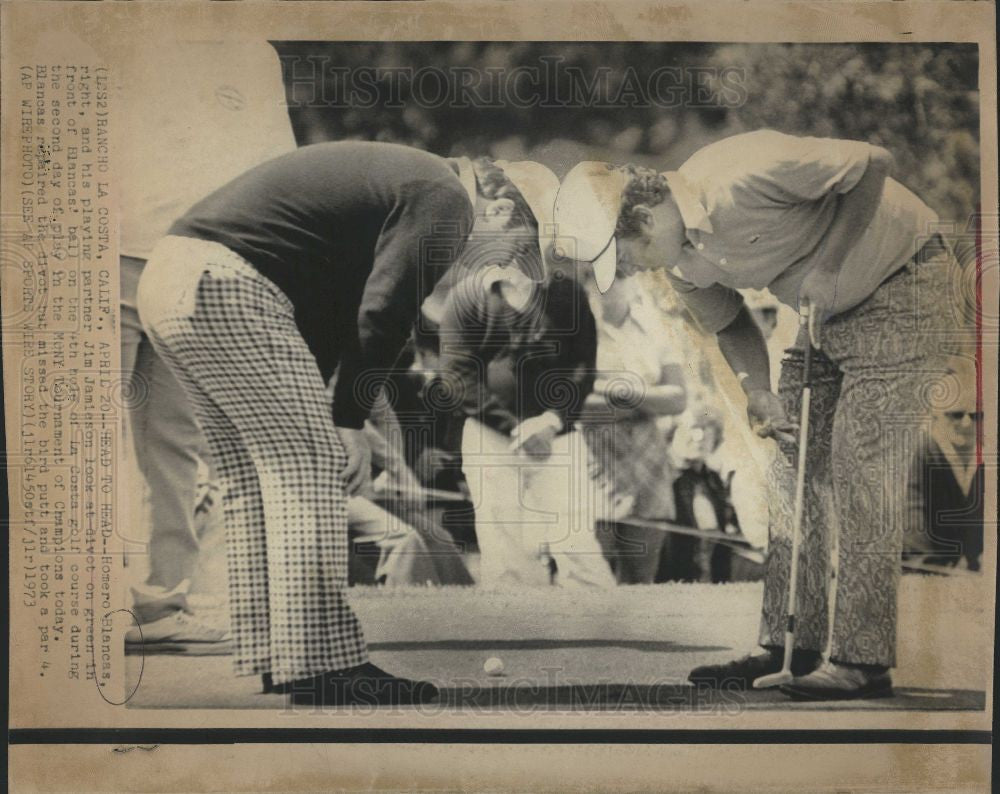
[(507, 368), (356, 234)]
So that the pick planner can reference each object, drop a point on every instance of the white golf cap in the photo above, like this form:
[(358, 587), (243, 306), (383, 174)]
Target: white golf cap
[(538, 185), (586, 213)]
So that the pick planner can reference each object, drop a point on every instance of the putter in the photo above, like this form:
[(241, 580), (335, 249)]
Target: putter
[(784, 675)]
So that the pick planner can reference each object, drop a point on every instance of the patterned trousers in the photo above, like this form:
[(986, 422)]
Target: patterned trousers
[(875, 383), (229, 336)]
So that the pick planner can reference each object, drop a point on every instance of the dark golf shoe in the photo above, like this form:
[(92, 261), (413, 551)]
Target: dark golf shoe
[(834, 681), (363, 685), (741, 673)]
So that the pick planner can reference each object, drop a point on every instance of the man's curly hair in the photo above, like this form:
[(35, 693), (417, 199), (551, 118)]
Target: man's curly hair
[(520, 234), (644, 186), (493, 184)]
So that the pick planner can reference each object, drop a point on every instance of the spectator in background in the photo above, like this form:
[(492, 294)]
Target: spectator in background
[(701, 494), (409, 547), (639, 383), (947, 480), (212, 110)]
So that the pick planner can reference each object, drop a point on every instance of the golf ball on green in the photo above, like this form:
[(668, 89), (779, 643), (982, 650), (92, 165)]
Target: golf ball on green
[(493, 666)]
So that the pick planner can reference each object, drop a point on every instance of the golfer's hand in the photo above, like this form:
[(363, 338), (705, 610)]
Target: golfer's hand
[(358, 470), (534, 436), (817, 296), (767, 416)]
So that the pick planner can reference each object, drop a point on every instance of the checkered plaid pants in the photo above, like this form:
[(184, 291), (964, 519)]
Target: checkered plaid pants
[(229, 335)]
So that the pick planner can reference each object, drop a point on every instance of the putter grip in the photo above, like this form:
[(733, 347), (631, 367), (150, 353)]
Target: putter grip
[(806, 320), (807, 366)]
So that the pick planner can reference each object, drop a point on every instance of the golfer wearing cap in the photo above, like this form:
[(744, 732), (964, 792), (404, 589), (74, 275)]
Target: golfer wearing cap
[(819, 223), (518, 347)]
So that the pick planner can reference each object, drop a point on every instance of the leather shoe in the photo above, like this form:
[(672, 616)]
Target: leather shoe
[(741, 673), (833, 681)]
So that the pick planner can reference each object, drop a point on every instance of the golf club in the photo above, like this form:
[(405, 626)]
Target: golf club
[(784, 675)]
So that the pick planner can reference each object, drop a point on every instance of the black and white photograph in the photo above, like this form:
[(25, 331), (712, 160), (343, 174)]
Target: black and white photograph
[(484, 373), (491, 374)]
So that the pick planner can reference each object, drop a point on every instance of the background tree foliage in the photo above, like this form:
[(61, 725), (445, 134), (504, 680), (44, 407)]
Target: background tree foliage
[(920, 101)]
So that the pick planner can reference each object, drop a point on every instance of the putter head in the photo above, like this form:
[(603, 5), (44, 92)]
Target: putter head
[(773, 680)]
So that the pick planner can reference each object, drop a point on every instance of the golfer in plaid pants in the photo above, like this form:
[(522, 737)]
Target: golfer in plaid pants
[(313, 261)]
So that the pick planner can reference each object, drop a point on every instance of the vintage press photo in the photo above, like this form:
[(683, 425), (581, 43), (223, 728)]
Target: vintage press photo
[(547, 366)]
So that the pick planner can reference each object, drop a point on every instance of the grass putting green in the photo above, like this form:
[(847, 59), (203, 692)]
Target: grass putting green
[(626, 648)]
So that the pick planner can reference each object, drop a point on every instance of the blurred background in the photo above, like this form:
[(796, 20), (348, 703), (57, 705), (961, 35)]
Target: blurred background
[(920, 101)]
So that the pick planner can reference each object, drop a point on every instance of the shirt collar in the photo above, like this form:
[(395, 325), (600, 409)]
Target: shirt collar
[(467, 176), (692, 212), (493, 273)]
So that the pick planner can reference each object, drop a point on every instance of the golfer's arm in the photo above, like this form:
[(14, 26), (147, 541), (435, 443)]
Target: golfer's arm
[(402, 275), (855, 211), (463, 364), (742, 344), (582, 363)]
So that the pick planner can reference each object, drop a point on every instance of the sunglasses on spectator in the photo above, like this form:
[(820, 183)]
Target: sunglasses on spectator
[(958, 416)]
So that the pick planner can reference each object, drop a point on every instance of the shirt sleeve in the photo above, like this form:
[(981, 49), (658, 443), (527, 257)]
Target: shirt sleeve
[(462, 380), (422, 236), (713, 307), (791, 169), (581, 360)]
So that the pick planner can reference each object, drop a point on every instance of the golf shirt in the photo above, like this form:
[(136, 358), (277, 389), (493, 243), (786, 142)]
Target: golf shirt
[(355, 234), (510, 366), (755, 209)]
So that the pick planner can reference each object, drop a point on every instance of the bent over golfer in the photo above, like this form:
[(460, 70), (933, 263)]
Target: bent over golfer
[(317, 260), (819, 223)]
